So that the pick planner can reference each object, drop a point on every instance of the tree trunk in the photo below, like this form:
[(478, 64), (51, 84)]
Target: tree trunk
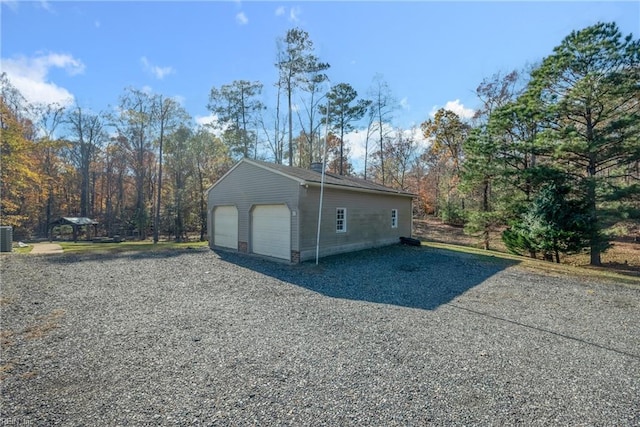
[(290, 124), (203, 206), (485, 208), (156, 222), (594, 240), (485, 237)]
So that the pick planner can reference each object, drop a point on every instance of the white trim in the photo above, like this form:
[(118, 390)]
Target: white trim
[(344, 220), (361, 190)]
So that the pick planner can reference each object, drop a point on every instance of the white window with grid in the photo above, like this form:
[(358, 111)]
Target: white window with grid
[(341, 220), (394, 218)]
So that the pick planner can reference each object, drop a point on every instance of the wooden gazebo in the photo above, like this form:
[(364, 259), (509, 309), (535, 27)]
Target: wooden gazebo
[(75, 223)]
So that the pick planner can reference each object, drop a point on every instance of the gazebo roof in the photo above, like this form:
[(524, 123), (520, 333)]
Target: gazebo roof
[(74, 220)]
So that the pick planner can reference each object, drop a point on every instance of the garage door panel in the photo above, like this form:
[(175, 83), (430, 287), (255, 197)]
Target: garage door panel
[(225, 226), (271, 231)]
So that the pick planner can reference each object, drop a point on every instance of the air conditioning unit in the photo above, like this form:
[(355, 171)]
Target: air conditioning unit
[(6, 238)]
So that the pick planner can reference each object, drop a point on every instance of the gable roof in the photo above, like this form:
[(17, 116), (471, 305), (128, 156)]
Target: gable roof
[(73, 220), (313, 178)]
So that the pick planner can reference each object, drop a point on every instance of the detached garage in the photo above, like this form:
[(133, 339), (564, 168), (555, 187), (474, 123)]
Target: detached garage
[(272, 210)]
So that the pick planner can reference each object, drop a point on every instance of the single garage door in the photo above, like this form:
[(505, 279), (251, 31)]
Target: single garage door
[(225, 227), (271, 231)]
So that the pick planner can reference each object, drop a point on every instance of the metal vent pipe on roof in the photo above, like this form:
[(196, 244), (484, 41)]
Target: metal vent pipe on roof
[(317, 167)]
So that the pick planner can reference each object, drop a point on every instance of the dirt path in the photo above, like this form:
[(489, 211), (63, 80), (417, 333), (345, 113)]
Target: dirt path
[(46, 249)]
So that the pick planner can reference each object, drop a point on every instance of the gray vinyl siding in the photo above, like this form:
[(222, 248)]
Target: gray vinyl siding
[(248, 185), (368, 220), (368, 214)]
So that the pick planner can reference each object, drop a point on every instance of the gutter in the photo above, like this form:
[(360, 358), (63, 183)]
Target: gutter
[(361, 190)]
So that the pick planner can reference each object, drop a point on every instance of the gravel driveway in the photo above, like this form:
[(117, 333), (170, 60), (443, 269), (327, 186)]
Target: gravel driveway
[(395, 336)]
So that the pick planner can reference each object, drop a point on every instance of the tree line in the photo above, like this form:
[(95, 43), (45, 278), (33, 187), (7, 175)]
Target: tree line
[(550, 159)]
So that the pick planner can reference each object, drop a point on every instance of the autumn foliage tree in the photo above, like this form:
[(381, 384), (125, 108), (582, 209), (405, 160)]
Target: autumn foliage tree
[(19, 177), (447, 133)]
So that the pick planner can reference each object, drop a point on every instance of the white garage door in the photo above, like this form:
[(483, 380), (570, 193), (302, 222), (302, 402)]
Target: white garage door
[(271, 231), (225, 227)]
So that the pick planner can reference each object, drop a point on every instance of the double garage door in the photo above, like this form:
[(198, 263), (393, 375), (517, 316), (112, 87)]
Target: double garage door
[(270, 229)]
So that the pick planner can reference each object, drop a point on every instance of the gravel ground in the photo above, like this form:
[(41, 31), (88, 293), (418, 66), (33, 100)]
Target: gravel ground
[(395, 336)]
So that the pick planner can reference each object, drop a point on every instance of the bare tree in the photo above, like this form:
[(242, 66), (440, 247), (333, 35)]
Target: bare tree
[(382, 106), (312, 84), (168, 114), (401, 153), (49, 118), (87, 135), (134, 124), (295, 60)]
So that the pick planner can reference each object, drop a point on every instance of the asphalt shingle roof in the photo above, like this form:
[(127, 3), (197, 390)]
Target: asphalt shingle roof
[(312, 176)]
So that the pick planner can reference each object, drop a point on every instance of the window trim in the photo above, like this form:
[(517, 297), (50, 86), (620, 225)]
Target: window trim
[(394, 218), (343, 219)]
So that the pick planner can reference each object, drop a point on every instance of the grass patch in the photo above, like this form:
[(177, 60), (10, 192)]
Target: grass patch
[(141, 246), (25, 250), (541, 266), (472, 250)]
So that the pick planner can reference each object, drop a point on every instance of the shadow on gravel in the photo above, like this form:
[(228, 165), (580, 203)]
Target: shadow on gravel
[(416, 277)]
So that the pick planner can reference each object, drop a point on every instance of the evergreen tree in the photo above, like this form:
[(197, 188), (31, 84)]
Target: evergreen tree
[(343, 110), (554, 224), (588, 91)]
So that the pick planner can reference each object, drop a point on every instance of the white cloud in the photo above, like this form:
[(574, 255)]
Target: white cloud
[(355, 140), (70, 64), (242, 19), (404, 103), (206, 120), (294, 14), (457, 107), (30, 76), (97, 24), (158, 72)]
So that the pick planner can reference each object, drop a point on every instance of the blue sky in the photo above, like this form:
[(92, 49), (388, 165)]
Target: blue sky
[(432, 54)]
